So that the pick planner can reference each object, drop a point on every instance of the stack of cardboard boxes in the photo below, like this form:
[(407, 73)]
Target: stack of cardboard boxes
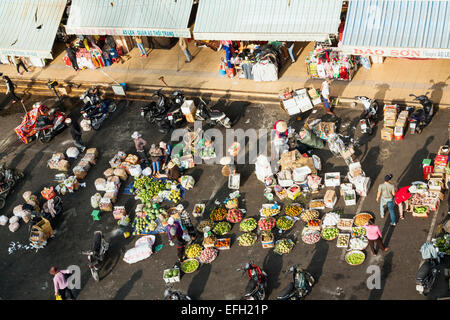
[(390, 117), (400, 125)]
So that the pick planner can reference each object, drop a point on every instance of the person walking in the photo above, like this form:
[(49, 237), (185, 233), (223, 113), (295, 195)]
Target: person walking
[(385, 195), (140, 46), (72, 55), (374, 235), (19, 63), (75, 131), (184, 46), (325, 92), (155, 155), (60, 283), (140, 143), (401, 199), (178, 242), (10, 90)]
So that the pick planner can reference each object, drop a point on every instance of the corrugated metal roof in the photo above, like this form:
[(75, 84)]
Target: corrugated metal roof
[(130, 17), (28, 27), (267, 20), (398, 24)]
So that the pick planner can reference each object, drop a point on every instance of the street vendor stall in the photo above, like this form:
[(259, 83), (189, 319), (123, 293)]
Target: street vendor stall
[(330, 63)]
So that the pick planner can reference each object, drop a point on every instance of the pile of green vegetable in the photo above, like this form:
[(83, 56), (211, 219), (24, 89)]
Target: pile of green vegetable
[(146, 188)]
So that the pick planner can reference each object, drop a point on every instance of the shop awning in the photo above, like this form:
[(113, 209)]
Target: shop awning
[(160, 18), (267, 20), (413, 29), (29, 27)]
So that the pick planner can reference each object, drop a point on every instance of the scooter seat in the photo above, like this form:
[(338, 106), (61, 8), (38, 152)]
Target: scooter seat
[(251, 287), (423, 271), (287, 292), (215, 114)]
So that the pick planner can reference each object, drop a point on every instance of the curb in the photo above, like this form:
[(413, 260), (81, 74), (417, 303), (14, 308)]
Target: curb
[(139, 92)]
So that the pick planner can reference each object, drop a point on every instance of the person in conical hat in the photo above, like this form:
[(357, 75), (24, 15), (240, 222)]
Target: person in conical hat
[(281, 129)]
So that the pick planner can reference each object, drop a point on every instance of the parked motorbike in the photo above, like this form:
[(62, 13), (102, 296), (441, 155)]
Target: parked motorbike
[(300, 287), (97, 254), (90, 97), (419, 118), (48, 126), (170, 294), (98, 113), (426, 276), (368, 118), (203, 113), (165, 112), (8, 178), (256, 286)]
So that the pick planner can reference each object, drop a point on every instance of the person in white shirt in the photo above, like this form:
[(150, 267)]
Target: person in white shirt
[(325, 91)]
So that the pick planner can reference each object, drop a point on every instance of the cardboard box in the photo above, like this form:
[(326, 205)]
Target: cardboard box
[(352, 201), (332, 179), (390, 114), (330, 199), (403, 115), (355, 169), (401, 123), (346, 187), (389, 123), (436, 194), (387, 134), (398, 133), (435, 184)]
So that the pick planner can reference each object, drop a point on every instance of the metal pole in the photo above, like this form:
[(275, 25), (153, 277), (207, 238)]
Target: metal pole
[(23, 106)]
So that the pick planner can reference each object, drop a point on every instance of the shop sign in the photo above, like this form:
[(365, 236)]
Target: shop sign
[(401, 52), (129, 32), (22, 53)]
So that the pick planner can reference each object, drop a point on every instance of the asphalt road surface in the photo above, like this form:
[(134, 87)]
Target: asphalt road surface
[(25, 272)]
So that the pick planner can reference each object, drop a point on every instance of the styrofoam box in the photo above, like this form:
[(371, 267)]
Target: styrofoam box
[(187, 106), (330, 181)]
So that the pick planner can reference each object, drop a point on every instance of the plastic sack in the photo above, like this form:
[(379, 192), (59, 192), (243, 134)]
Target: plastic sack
[(90, 158), (95, 200), (105, 204), (93, 151), (27, 195), (100, 184), (85, 124), (187, 182), (150, 239), (115, 162), (310, 139), (138, 253), (72, 152), (108, 172), (121, 173), (17, 211), (135, 170), (3, 220), (13, 219), (14, 226), (147, 171)]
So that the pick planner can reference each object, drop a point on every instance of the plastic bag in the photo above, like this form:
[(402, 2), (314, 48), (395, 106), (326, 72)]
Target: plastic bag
[(95, 200), (27, 195), (13, 219), (147, 171), (187, 182), (17, 211), (135, 170), (100, 184), (90, 158), (72, 152), (108, 172), (85, 124), (14, 226), (93, 151), (3, 220), (138, 253)]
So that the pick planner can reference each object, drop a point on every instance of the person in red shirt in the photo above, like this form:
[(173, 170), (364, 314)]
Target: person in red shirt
[(401, 199)]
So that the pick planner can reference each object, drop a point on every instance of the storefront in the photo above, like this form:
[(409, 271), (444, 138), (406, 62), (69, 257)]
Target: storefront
[(253, 35), (402, 29), (29, 30), (115, 25)]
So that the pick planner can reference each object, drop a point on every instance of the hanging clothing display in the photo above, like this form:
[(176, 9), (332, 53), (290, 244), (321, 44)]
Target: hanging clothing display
[(257, 61), (265, 71), (330, 63)]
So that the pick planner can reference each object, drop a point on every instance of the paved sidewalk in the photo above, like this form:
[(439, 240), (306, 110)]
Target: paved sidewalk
[(394, 80)]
